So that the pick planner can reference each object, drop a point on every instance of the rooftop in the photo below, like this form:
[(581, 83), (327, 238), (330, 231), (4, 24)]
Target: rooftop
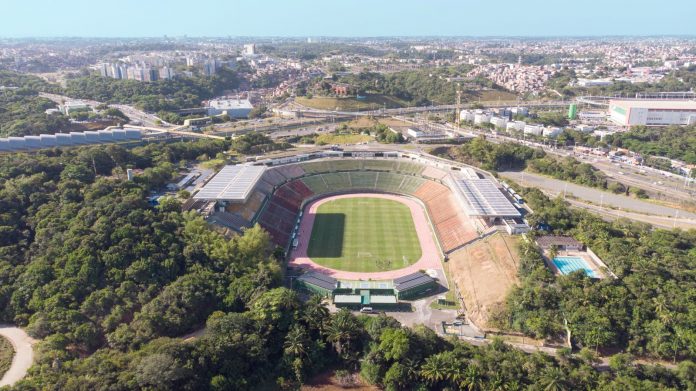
[(411, 281), (230, 104), (232, 183), (551, 240), (484, 198), (654, 104), (318, 279)]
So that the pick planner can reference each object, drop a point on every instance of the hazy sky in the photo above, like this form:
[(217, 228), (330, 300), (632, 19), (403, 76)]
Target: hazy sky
[(154, 18)]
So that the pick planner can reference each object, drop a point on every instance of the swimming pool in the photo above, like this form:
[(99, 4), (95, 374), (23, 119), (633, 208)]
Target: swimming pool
[(568, 265)]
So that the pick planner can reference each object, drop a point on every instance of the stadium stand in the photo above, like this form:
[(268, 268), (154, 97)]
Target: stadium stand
[(287, 187), (410, 184), (363, 179), (264, 187), (316, 184), (248, 209), (273, 177), (410, 168), (430, 190), (337, 181), (434, 173), (229, 220), (291, 171)]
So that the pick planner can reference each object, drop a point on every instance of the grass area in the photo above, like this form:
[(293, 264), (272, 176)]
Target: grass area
[(370, 122), (371, 102), (6, 353), (491, 95), (214, 164), (328, 139), (364, 234)]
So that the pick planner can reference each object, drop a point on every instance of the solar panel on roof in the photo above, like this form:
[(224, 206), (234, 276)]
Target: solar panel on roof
[(233, 183), (318, 279), (412, 280), (484, 198)]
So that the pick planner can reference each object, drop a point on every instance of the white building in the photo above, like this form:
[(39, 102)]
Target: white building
[(595, 82), (249, 49), (235, 108), (652, 112), (499, 122), (551, 132), (466, 115), (515, 126), (481, 118), (535, 130)]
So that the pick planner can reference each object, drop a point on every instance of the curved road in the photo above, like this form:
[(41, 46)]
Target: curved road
[(23, 357)]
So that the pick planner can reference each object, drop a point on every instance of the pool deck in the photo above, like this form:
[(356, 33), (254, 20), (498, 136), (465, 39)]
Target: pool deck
[(585, 256)]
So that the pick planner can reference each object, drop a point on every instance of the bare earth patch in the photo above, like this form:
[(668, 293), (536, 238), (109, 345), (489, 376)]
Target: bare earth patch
[(483, 273)]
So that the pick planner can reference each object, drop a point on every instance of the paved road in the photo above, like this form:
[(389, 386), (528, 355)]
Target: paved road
[(595, 196), (23, 357)]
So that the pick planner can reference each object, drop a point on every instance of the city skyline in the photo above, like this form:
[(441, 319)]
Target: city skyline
[(359, 18)]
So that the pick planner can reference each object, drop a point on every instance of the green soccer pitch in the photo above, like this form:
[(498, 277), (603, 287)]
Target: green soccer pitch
[(364, 234)]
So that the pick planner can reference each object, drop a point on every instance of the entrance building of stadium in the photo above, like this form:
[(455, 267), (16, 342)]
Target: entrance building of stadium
[(375, 294)]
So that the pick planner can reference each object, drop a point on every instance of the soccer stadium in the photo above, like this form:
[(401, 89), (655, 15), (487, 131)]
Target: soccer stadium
[(366, 228)]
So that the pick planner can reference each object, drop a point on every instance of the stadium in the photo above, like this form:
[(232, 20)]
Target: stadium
[(365, 228)]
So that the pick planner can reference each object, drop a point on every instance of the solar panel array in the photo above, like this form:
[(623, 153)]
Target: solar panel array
[(232, 183), (31, 143), (412, 281), (484, 198), (320, 280)]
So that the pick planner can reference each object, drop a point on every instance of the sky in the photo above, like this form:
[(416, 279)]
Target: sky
[(344, 18)]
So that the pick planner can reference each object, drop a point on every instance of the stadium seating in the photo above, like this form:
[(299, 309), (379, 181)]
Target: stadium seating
[(297, 182), (290, 171), (363, 180), (273, 177), (430, 190), (432, 172), (229, 220), (316, 184)]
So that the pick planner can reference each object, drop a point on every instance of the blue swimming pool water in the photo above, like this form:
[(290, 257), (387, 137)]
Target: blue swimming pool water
[(568, 265)]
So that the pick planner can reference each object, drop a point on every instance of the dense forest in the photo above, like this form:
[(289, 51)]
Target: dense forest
[(649, 310), (110, 284), (22, 110), (162, 95)]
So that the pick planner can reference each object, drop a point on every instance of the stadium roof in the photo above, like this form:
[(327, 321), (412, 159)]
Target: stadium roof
[(232, 183), (656, 104), (411, 281), (484, 198), (318, 279)]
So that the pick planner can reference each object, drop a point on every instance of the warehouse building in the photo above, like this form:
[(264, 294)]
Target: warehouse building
[(652, 112)]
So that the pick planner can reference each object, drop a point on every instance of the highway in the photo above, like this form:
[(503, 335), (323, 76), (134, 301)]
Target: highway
[(603, 199)]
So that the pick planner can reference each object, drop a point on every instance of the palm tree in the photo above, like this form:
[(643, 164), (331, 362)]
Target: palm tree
[(553, 379), (472, 379), (315, 313), (341, 331), (296, 342), (435, 369)]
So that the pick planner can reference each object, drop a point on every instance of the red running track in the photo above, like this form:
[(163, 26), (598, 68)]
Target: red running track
[(430, 257)]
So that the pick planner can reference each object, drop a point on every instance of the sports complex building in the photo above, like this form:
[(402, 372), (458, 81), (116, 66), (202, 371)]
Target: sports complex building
[(657, 112), (364, 225)]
